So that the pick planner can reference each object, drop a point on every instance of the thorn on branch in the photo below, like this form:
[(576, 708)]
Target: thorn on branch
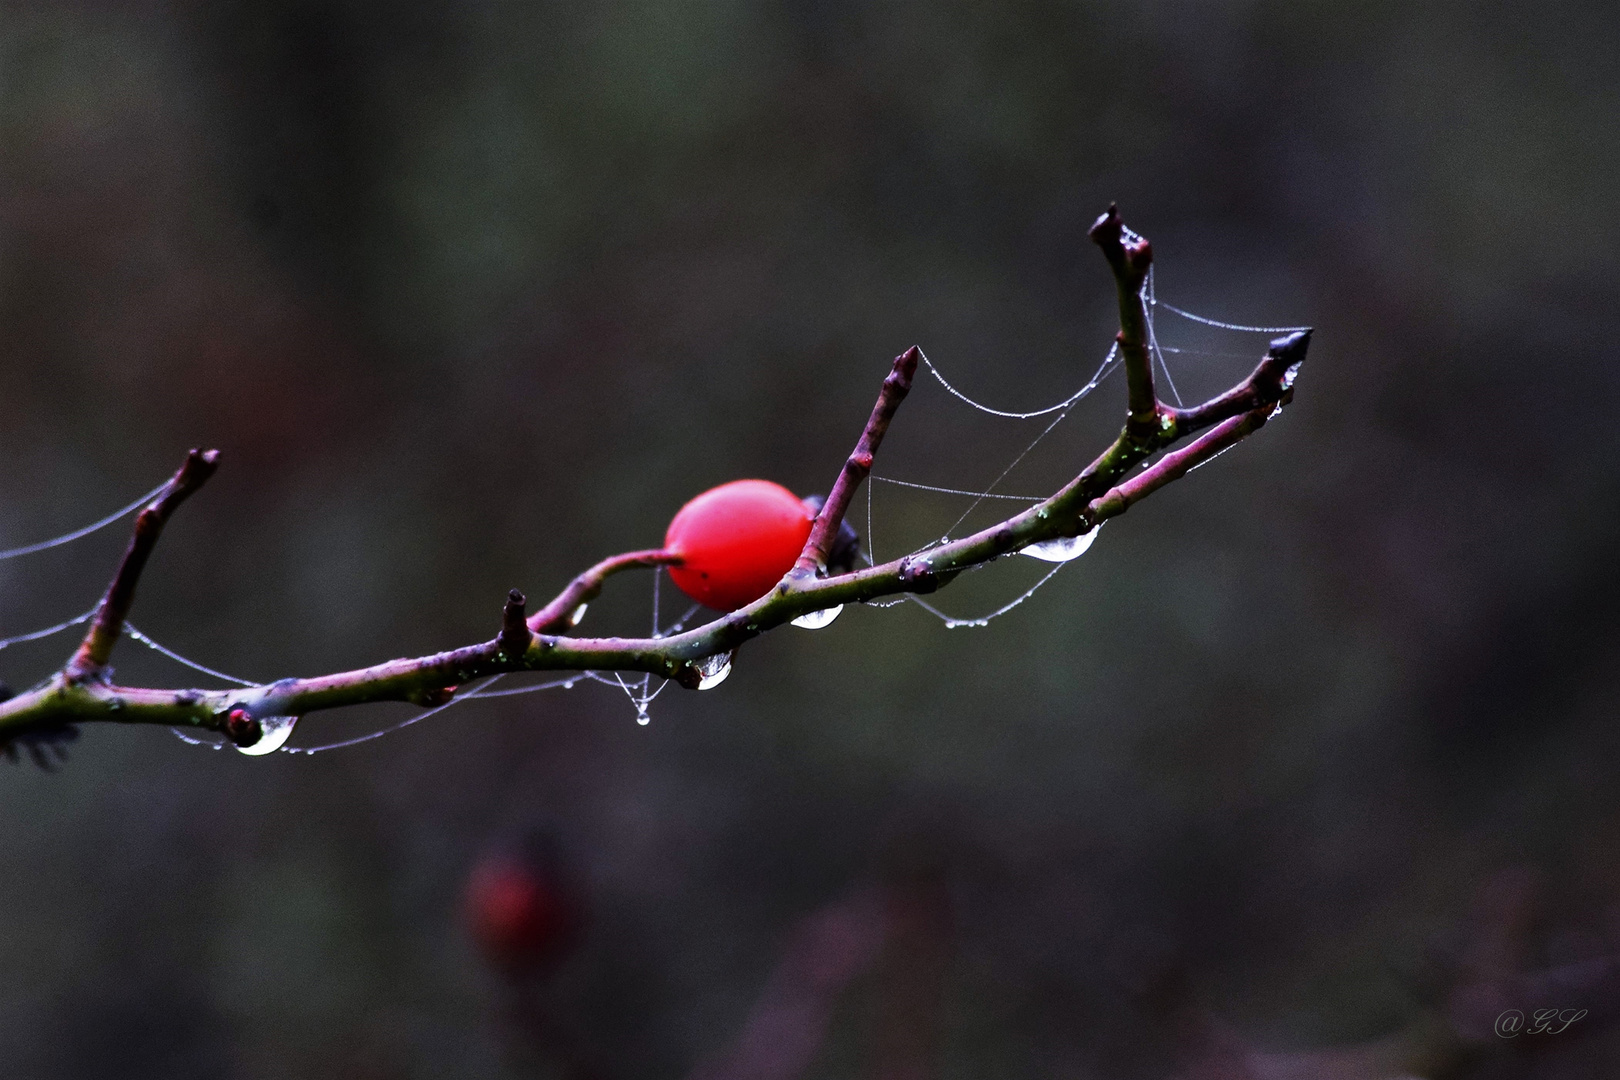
[(515, 634)]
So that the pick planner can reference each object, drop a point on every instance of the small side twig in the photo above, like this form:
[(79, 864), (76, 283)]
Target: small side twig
[(558, 615), (813, 559), (91, 658), (1269, 385), (1130, 259), (1176, 464), (515, 633)]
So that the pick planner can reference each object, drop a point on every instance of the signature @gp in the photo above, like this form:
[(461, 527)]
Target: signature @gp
[(1541, 1022)]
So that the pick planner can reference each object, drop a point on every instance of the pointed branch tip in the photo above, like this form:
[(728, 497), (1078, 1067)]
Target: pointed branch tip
[(515, 632), (1292, 346), (1130, 259)]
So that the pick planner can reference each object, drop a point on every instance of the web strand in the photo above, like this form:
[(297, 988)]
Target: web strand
[(1230, 326), (1106, 369), (954, 491), (952, 622), (1206, 352), (566, 684), (1153, 338), (76, 534), (680, 624), (186, 737), (981, 407), (658, 577), (401, 725), (177, 658), (49, 630)]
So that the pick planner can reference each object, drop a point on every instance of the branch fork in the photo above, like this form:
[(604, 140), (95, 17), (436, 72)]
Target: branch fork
[(1110, 485)]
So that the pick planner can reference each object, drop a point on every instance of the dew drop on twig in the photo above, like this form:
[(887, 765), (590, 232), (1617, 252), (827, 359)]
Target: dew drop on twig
[(1063, 548), (577, 616), (815, 620), (712, 670), (274, 733)]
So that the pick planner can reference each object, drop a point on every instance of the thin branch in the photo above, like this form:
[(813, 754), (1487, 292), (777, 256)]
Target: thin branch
[(558, 615), (108, 623), (1176, 464), (813, 560), (1105, 488), (1271, 381), (1130, 258)]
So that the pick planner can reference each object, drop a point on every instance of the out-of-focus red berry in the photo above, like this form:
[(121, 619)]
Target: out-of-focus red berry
[(522, 916), (736, 541)]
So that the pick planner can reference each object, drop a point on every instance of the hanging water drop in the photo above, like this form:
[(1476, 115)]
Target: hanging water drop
[(577, 616), (641, 714), (817, 619), (712, 670), (1063, 548), (274, 731)]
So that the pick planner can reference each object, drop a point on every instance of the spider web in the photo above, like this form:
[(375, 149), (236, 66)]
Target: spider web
[(640, 690)]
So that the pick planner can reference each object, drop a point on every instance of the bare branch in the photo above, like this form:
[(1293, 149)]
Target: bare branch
[(108, 623), (813, 560), (1105, 488), (1175, 465), (1130, 258), (1271, 381), (559, 614)]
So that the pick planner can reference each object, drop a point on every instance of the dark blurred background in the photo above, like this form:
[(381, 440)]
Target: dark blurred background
[(472, 294)]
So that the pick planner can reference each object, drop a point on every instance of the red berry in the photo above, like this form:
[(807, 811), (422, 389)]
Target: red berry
[(736, 541), (521, 916)]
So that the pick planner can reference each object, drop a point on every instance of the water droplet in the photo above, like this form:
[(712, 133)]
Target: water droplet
[(817, 619), (577, 616), (641, 715), (274, 733), (1290, 375), (945, 539), (713, 670), (1063, 548)]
